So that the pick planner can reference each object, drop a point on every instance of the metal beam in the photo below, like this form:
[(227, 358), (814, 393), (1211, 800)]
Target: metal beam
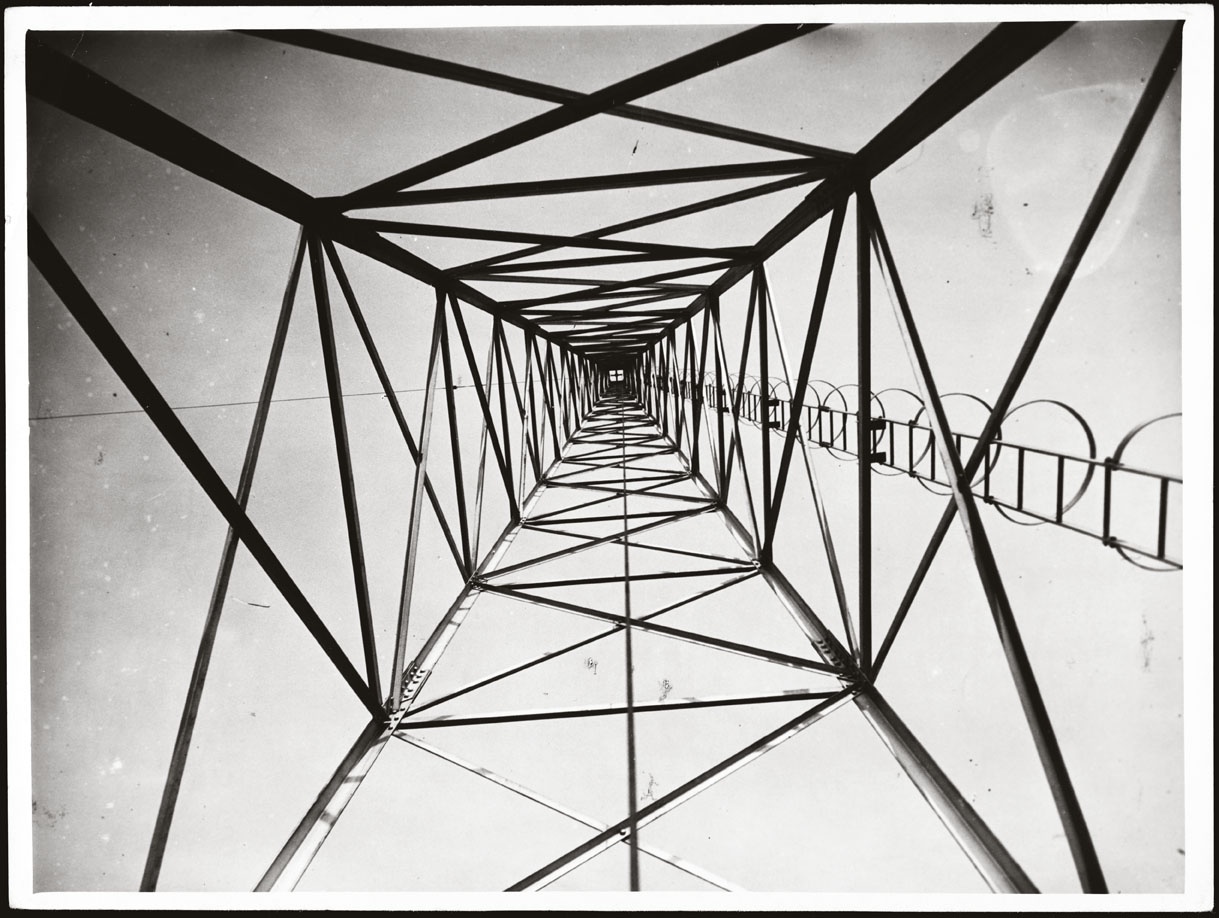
[(558, 241), (688, 66), (683, 793), (610, 710), (459, 486), (508, 784), (306, 839), (391, 396), (412, 533), (810, 168), (863, 423), (338, 417), (806, 361), (474, 76), (681, 634), (497, 262)]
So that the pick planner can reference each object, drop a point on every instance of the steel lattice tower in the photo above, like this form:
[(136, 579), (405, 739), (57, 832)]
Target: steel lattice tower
[(651, 453)]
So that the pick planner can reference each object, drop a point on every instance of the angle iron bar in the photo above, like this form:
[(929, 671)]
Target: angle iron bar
[(735, 444), (666, 515), (519, 789), (811, 338), (681, 634), (459, 487), (538, 446), (482, 471), (698, 62), (721, 369), (506, 438), (413, 530), (696, 401), (541, 517), (546, 657), (609, 710), (618, 578), (448, 70), (498, 330), (632, 791), (293, 859), (338, 418), (863, 419), (391, 395), (814, 485), (500, 262), (405, 228), (763, 307), (688, 790), (614, 491), (742, 564), (609, 287), (546, 370), (505, 468), (496, 269), (575, 282), (589, 183), (602, 540)]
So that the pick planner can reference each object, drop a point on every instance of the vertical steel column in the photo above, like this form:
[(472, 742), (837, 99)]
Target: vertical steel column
[(528, 449), (713, 314), (463, 522), (632, 780), (306, 839), (814, 486), (735, 445), (734, 440), (546, 371), (504, 468), (763, 295), (203, 658), (699, 390), (864, 425), (497, 336), (679, 404), (338, 418), (482, 459), (390, 395), (806, 361), (412, 536), (565, 390), (532, 409)]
